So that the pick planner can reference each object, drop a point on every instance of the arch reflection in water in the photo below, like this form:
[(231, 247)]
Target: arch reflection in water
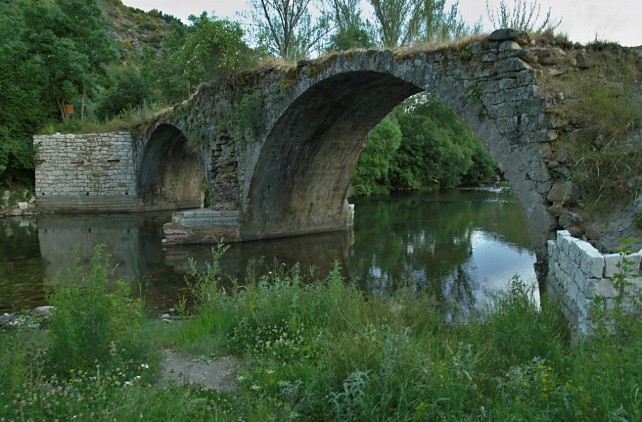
[(133, 242), (457, 245)]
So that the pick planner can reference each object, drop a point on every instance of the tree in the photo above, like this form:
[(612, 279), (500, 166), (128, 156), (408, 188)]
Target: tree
[(404, 22), (212, 49), (350, 29), (437, 148), (371, 174), (422, 145), (70, 42), (523, 15), (129, 90), (285, 28), (22, 112), (162, 68)]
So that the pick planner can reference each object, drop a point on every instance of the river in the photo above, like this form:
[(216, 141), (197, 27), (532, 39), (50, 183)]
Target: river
[(459, 245)]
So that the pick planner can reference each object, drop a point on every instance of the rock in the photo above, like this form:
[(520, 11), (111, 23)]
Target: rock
[(592, 234), (165, 316), (557, 209), (561, 172), (43, 311), (550, 56), (23, 206), (509, 46), (575, 231), (508, 34), (564, 192), (6, 319), (581, 61), (570, 218), (15, 212)]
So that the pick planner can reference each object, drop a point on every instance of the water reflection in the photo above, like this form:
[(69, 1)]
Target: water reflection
[(456, 245)]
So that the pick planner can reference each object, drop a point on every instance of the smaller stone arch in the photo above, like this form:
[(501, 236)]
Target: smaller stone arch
[(171, 175)]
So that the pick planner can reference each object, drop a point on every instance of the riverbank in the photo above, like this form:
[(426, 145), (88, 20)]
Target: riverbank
[(319, 350)]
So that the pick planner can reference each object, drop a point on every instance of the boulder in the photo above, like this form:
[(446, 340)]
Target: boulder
[(508, 34), (570, 218), (43, 311), (6, 319), (564, 192)]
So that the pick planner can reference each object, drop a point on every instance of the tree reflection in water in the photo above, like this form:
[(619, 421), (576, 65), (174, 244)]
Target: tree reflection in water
[(429, 240)]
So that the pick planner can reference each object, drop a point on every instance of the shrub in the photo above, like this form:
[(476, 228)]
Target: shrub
[(92, 325)]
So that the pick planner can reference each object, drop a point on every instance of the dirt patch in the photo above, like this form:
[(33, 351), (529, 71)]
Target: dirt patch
[(213, 373)]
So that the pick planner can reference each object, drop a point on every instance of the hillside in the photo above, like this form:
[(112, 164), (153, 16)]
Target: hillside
[(134, 28)]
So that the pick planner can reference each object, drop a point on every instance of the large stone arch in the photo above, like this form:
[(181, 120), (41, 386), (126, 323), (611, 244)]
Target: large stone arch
[(280, 143), (296, 181), (301, 178), (171, 175)]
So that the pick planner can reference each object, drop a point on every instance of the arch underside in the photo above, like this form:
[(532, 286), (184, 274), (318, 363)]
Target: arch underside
[(171, 176), (301, 179)]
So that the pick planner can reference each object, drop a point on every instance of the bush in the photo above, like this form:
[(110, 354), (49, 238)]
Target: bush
[(92, 325)]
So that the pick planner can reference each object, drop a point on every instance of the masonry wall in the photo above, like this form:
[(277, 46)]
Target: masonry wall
[(88, 172), (577, 273)]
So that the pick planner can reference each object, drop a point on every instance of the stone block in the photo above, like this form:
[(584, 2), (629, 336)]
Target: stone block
[(553, 250), (611, 262), (604, 288), (564, 244), (591, 260), (575, 251)]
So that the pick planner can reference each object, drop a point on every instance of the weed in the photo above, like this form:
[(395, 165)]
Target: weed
[(205, 286), (607, 113), (465, 54), (248, 114)]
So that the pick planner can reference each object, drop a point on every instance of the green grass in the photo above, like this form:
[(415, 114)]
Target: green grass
[(321, 350), (124, 121)]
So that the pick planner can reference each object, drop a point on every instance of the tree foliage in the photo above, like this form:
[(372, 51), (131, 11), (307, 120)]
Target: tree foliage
[(400, 23), (436, 150), (70, 41), (351, 30), (371, 175), (21, 110), (129, 90), (287, 29), (212, 49)]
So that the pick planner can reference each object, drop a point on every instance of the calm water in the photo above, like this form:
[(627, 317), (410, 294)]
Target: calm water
[(460, 245)]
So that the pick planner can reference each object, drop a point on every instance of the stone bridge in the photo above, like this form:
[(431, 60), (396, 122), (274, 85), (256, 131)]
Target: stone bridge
[(276, 147)]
